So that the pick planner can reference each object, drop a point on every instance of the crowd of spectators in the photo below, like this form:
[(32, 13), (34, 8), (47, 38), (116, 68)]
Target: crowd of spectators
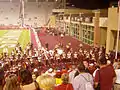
[(59, 69)]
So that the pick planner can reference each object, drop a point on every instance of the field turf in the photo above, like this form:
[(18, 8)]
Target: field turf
[(9, 39)]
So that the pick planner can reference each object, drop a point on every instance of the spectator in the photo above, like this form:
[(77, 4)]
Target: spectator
[(46, 82), (65, 85), (35, 74), (80, 80), (72, 73), (105, 75), (58, 77), (27, 81), (115, 64), (117, 82), (1, 78), (12, 83), (86, 64)]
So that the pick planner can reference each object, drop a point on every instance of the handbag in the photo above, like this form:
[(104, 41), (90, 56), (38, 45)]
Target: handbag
[(98, 86)]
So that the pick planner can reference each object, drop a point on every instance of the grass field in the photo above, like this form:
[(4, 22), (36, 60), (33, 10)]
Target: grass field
[(9, 39)]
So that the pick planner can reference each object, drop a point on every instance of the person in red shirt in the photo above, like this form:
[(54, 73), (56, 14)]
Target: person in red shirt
[(105, 75), (65, 85)]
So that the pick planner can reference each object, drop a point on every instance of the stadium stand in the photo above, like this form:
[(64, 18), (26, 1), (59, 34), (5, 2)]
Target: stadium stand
[(36, 14), (7, 17)]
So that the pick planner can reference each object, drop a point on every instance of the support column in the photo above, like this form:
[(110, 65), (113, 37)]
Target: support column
[(79, 30), (70, 30), (96, 28), (63, 4), (64, 18), (59, 23), (69, 25), (109, 41), (80, 27)]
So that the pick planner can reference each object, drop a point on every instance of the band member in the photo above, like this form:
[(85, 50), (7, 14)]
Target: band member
[(67, 48), (5, 51), (81, 45), (20, 48), (69, 56), (46, 45), (16, 49), (13, 54), (64, 57), (46, 54), (80, 50), (57, 57), (27, 49), (62, 35), (75, 56), (51, 53), (24, 54), (87, 55), (36, 53), (93, 57), (80, 55), (19, 55), (11, 61), (85, 52)]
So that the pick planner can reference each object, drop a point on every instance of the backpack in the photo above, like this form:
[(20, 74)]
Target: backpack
[(88, 84)]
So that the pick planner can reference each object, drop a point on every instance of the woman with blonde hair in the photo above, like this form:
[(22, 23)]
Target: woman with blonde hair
[(12, 83), (46, 82), (65, 85)]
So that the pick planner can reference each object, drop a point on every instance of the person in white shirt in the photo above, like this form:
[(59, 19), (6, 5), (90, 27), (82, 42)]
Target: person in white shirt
[(72, 74), (117, 81), (81, 80)]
